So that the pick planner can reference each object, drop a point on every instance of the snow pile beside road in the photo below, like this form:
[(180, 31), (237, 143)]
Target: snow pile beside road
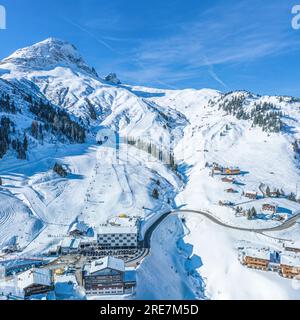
[(166, 273)]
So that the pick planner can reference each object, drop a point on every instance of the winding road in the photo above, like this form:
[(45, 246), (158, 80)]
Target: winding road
[(147, 239), (146, 242)]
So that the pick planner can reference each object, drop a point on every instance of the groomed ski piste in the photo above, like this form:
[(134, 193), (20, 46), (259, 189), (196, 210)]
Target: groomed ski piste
[(194, 252)]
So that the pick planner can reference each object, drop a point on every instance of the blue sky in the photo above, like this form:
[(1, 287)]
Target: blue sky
[(221, 44)]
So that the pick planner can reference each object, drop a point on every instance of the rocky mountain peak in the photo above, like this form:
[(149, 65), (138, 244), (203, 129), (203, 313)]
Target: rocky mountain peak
[(49, 54)]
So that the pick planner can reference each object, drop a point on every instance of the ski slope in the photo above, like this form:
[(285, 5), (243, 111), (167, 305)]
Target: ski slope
[(17, 222)]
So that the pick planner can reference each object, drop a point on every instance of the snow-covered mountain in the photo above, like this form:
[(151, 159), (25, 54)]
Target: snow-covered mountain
[(64, 78), (54, 106), (48, 55)]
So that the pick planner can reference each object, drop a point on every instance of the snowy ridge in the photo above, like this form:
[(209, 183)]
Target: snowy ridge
[(47, 55)]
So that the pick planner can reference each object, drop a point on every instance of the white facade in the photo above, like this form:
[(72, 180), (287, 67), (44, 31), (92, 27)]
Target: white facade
[(118, 233), (108, 291)]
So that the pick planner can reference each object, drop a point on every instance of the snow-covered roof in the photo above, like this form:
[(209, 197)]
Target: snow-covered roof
[(70, 243), (119, 225), (292, 261), (35, 276), (250, 192), (108, 229), (293, 245), (123, 220), (107, 262), (80, 227), (258, 253)]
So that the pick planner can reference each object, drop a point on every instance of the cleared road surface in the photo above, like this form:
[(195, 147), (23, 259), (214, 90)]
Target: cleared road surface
[(147, 239)]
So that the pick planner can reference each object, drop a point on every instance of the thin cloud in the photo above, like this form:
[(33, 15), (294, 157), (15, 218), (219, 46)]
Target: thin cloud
[(226, 34), (86, 31), (223, 35)]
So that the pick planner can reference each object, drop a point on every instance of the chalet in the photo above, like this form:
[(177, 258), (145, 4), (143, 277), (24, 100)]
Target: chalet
[(79, 229), (268, 207), (108, 276), (35, 281), (231, 171), (292, 247), (290, 266), (250, 194), (228, 180), (217, 169), (257, 259)]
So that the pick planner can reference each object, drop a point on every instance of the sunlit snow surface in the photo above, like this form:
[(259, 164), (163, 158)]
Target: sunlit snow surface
[(197, 259)]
